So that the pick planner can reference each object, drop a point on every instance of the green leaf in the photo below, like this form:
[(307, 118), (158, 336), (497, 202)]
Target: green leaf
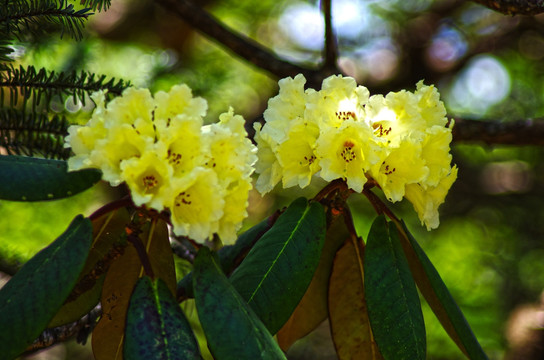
[(31, 298), (232, 329), (156, 327), (229, 255), (439, 298), (313, 308), (33, 179), (277, 271), (392, 299)]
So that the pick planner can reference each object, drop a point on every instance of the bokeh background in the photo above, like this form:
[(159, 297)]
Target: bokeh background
[(489, 247)]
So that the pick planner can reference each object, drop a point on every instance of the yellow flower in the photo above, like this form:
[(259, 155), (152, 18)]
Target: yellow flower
[(436, 153), (430, 107), (135, 108), (288, 105), (402, 166), (197, 204), (296, 155), (427, 201), (228, 150), (347, 152), (179, 101), (180, 143), (235, 211), (268, 167), (148, 178), (121, 143), (82, 140), (339, 99)]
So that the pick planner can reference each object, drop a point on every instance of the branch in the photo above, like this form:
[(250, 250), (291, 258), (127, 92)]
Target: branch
[(493, 132), (81, 328), (514, 7), (240, 44), (331, 48)]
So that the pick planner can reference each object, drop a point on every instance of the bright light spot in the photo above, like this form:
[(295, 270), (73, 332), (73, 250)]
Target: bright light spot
[(380, 59), (304, 25), (488, 80), (507, 177), (348, 18), (484, 83)]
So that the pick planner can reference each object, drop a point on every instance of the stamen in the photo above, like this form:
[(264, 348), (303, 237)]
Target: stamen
[(149, 182), (345, 115), (174, 158), (347, 153), (182, 198)]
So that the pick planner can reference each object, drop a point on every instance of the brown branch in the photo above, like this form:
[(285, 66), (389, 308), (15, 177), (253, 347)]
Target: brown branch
[(331, 47), (240, 44), (493, 132), (514, 7), (81, 329)]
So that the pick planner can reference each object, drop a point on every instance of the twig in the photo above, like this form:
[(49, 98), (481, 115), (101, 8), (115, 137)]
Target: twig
[(81, 328), (133, 231), (114, 205), (378, 204), (514, 7), (240, 44), (493, 132), (183, 248), (331, 48)]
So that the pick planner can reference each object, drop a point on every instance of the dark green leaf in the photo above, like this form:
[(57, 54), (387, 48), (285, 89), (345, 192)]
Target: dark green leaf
[(232, 329), (277, 271), (156, 327), (229, 255), (313, 308), (33, 179), (439, 298), (31, 298), (392, 299)]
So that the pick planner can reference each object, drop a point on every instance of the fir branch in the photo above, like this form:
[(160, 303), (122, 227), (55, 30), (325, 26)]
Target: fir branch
[(96, 4), (33, 134), (31, 84), (19, 15)]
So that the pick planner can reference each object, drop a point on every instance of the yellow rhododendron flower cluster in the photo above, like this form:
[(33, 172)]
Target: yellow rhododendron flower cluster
[(401, 141), (169, 159)]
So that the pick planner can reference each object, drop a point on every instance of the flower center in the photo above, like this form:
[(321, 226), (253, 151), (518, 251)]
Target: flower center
[(387, 170), (149, 182), (348, 154), (310, 159), (174, 158), (345, 115), (380, 130), (183, 198)]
